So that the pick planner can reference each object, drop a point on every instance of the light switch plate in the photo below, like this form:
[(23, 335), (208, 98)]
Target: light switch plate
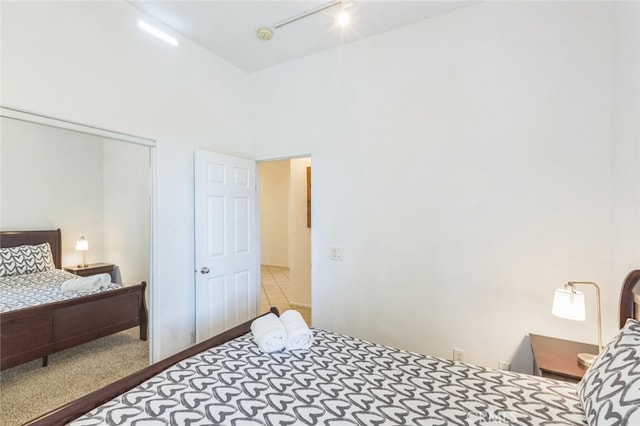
[(335, 253)]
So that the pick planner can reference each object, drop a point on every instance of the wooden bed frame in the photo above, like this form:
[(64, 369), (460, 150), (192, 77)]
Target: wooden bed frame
[(36, 332), (83, 405), (630, 297)]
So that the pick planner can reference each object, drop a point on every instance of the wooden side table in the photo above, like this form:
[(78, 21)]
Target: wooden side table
[(558, 358), (91, 269)]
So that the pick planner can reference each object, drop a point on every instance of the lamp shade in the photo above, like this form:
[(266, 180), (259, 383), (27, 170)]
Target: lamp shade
[(82, 244), (569, 304)]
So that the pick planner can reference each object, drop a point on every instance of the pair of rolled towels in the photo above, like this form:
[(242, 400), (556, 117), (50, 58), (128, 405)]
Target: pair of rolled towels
[(86, 284), (289, 332)]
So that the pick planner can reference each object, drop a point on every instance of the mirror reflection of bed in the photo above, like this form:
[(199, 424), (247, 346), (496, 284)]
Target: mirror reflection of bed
[(89, 186)]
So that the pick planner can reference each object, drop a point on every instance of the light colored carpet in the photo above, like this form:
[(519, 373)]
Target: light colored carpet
[(29, 390)]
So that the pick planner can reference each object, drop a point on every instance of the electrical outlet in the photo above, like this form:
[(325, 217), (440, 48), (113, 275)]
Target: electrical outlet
[(458, 355), (504, 365)]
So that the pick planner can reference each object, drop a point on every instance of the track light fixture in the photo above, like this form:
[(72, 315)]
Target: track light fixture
[(309, 13), (343, 17)]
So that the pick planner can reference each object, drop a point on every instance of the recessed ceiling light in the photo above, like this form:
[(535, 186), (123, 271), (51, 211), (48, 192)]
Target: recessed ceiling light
[(157, 33)]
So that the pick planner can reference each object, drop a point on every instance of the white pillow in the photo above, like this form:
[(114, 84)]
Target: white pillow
[(25, 259), (610, 389)]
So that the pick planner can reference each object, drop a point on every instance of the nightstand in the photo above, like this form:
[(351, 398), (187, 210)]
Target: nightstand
[(558, 358), (91, 269)]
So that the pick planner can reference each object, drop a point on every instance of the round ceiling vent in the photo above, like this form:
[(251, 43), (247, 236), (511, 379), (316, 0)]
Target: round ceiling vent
[(265, 34)]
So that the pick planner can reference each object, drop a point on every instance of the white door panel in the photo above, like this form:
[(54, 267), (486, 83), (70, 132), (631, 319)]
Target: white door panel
[(226, 242)]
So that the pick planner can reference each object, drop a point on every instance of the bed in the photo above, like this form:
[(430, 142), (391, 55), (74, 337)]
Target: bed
[(346, 381), (31, 332)]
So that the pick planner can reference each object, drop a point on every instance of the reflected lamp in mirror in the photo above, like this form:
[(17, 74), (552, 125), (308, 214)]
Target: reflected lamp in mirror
[(569, 303), (83, 245)]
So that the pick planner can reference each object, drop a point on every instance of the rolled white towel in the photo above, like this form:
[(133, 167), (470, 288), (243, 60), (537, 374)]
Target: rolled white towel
[(299, 336), (269, 333), (86, 284)]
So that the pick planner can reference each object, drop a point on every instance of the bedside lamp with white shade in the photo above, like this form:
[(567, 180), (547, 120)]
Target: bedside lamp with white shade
[(569, 303), (83, 245)]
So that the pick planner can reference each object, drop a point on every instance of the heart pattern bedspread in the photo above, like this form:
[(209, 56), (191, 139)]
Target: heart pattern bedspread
[(24, 291), (339, 381)]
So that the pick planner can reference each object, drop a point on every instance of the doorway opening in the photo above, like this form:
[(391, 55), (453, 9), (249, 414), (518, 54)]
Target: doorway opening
[(285, 235)]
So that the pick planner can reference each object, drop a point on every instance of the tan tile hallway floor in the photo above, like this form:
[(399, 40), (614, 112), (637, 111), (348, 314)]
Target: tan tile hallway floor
[(276, 288)]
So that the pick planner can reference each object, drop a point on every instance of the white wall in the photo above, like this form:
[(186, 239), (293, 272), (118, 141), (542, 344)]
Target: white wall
[(126, 209), (52, 178), (299, 235), (88, 62), (464, 164), (274, 213), (626, 134)]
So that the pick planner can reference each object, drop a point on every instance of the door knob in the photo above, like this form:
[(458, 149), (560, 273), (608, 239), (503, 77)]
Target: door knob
[(204, 270)]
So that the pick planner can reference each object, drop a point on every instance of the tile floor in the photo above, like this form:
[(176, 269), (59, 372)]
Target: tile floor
[(275, 291)]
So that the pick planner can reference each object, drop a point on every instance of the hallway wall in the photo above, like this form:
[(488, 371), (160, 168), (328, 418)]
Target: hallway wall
[(299, 234), (274, 213)]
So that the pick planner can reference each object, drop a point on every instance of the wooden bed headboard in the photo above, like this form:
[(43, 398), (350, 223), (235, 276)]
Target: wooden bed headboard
[(630, 299), (18, 238)]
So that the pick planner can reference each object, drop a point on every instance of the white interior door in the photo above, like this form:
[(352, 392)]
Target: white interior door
[(226, 242)]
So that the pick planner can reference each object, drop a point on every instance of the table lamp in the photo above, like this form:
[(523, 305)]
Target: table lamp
[(83, 245), (569, 304)]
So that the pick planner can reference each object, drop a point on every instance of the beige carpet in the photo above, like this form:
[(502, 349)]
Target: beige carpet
[(29, 390)]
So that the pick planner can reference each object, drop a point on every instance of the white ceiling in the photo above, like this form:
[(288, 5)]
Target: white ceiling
[(229, 28)]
